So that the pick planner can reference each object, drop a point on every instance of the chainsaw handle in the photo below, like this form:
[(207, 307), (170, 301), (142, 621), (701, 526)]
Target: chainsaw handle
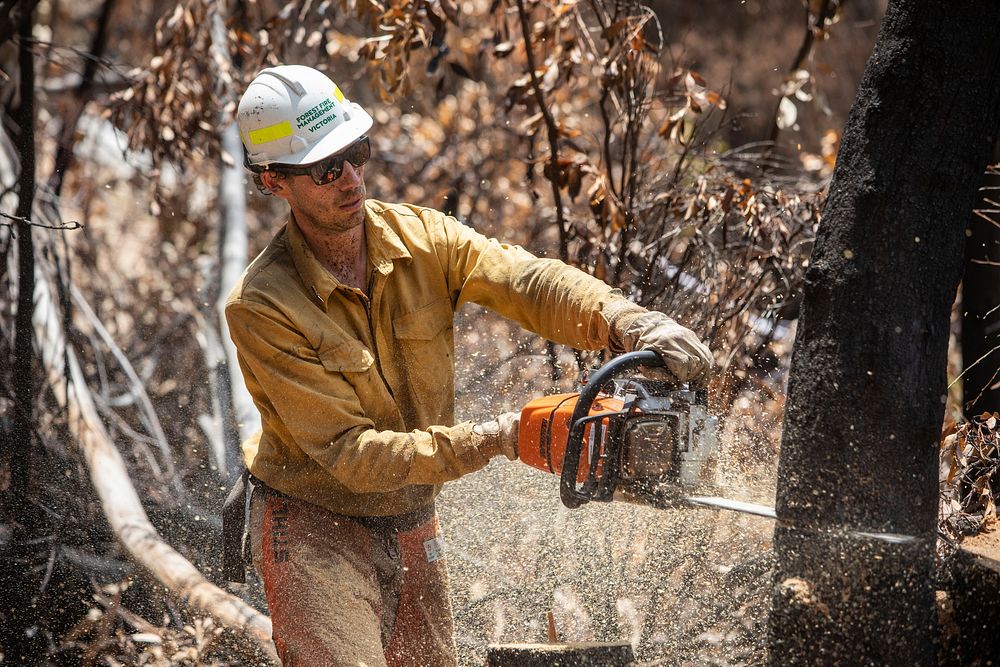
[(570, 495)]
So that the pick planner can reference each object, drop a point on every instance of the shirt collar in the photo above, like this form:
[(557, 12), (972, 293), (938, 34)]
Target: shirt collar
[(384, 245)]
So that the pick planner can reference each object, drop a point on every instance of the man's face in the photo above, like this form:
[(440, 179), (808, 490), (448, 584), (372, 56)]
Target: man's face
[(334, 207)]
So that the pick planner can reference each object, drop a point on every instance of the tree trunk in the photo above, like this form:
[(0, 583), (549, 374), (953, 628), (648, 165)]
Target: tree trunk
[(233, 255), (16, 603), (868, 383), (24, 356), (232, 260)]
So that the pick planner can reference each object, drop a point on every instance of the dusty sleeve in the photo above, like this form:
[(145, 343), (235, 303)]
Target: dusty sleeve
[(546, 296), (320, 412)]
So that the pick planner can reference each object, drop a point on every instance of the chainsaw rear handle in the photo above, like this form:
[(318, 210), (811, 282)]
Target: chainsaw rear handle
[(571, 496)]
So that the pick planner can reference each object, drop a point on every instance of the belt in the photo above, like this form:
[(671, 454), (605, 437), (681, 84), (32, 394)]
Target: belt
[(395, 523)]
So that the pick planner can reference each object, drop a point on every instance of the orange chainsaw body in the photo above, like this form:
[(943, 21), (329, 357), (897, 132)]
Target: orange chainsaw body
[(544, 431)]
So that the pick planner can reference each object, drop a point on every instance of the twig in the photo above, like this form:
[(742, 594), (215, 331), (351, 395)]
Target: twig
[(143, 440), (552, 132), (18, 220), (813, 28), (969, 367)]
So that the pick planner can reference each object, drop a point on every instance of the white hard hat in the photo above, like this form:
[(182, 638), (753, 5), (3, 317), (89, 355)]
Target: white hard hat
[(293, 114)]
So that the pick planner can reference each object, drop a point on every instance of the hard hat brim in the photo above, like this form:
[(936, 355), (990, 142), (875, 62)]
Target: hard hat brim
[(335, 141)]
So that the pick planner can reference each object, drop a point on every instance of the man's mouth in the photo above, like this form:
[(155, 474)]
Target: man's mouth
[(352, 204)]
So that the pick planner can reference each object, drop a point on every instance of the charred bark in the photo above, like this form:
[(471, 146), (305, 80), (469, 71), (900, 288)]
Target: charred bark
[(868, 379), (16, 601)]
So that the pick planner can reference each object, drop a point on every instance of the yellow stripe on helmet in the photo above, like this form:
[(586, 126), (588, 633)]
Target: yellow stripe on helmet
[(271, 132), (336, 93)]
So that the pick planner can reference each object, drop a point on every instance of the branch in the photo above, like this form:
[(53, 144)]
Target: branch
[(147, 412), (552, 131), (64, 153), (814, 26)]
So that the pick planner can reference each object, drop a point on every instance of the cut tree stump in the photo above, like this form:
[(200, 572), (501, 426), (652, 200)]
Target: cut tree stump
[(583, 654)]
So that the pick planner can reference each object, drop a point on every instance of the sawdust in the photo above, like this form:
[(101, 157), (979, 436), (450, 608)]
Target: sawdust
[(801, 592), (985, 546)]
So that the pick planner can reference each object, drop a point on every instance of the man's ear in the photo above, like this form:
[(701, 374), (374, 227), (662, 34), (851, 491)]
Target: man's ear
[(271, 181)]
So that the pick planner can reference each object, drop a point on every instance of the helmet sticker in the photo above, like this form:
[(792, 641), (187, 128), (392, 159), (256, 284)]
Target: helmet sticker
[(316, 113), (294, 114), (271, 132)]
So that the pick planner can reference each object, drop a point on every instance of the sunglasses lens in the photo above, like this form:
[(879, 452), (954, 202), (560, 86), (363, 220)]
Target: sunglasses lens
[(331, 168), (359, 153), (328, 170)]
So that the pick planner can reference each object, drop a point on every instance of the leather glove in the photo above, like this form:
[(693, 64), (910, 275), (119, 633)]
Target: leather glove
[(502, 433), (635, 328)]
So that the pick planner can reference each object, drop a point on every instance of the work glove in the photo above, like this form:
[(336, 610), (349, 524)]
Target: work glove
[(501, 434), (632, 328)]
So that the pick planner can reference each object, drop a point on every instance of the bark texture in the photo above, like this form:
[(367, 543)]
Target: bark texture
[(868, 379)]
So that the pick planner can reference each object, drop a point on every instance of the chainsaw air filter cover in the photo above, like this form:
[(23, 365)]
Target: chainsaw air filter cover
[(668, 444)]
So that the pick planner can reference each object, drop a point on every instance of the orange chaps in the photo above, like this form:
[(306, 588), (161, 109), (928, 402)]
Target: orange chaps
[(344, 591)]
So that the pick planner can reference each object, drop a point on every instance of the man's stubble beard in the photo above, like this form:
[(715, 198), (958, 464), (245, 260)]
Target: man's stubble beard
[(328, 218)]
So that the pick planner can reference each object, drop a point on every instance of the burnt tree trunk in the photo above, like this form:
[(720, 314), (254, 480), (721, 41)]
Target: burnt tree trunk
[(868, 378), (17, 602)]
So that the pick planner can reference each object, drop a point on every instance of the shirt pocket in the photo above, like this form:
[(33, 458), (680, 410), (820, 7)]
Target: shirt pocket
[(346, 357)]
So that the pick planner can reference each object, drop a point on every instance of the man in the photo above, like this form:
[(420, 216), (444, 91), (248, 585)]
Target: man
[(344, 331)]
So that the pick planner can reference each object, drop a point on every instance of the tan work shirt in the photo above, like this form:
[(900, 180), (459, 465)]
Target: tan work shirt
[(356, 388)]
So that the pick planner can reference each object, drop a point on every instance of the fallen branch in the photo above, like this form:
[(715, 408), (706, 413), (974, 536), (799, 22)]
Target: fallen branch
[(118, 497), (146, 412)]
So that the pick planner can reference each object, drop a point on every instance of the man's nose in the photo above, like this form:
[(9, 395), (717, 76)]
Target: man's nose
[(350, 177)]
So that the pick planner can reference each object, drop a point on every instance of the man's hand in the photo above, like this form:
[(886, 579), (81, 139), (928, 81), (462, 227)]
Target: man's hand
[(501, 433), (634, 328), (684, 355)]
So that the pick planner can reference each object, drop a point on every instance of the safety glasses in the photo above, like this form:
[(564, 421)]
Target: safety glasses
[(330, 168)]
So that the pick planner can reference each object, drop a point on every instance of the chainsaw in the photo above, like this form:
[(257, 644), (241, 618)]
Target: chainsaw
[(634, 439), (627, 437)]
